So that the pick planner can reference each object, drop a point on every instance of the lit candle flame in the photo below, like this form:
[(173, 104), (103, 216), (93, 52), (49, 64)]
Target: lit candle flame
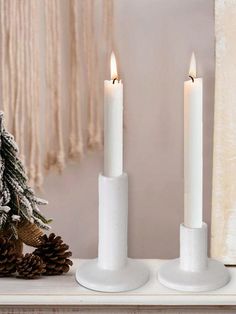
[(192, 68), (114, 74)]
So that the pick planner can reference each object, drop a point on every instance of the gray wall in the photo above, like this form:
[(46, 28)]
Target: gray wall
[(154, 40)]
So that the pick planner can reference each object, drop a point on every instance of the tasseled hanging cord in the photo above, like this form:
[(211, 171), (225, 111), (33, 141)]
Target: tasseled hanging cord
[(55, 146), (97, 83), (72, 135), (88, 36), (76, 136), (16, 35), (32, 168), (12, 12), (27, 104), (22, 74), (35, 28), (60, 156), (19, 112), (49, 99), (5, 59)]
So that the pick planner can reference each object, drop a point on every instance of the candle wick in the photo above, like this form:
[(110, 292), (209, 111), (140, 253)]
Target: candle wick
[(115, 79), (192, 78)]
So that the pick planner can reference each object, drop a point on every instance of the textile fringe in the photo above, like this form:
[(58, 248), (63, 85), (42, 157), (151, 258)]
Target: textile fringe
[(20, 81), (88, 37), (21, 29), (55, 147), (76, 148)]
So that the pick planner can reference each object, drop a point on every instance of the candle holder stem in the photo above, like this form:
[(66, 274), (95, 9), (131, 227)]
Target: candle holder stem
[(193, 271), (112, 271)]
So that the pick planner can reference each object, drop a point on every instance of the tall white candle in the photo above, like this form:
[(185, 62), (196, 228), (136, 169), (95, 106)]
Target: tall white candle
[(193, 150), (113, 124)]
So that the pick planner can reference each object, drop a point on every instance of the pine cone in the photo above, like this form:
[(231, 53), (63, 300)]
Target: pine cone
[(7, 257), (54, 254), (30, 266)]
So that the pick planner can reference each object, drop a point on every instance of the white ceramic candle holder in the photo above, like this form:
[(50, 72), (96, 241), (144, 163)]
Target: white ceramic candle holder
[(193, 271), (112, 271)]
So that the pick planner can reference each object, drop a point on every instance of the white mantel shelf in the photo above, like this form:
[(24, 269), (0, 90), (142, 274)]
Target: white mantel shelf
[(64, 290)]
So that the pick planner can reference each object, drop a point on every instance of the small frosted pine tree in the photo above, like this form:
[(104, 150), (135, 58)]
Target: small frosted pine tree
[(18, 202)]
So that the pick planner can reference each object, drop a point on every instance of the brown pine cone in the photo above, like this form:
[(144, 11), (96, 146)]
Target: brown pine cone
[(30, 266), (7, 257), (55, 254)]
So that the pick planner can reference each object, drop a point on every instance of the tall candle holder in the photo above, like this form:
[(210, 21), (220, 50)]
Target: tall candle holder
[(193, 271), (112, 271)]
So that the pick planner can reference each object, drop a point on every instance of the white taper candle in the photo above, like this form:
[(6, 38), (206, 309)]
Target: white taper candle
[(193, 149), (113, 124)]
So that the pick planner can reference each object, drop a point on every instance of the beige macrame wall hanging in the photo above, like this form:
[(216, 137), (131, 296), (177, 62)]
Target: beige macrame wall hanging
[(49, 49), (223, 240)]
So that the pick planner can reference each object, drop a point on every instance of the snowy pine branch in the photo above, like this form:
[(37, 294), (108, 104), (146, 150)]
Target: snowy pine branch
[(14, 190)]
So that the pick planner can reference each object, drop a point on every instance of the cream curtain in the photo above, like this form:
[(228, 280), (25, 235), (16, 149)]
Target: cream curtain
[(223, 235)]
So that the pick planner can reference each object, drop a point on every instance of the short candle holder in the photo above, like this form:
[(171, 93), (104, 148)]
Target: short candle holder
[(193, 271), (112, 271)]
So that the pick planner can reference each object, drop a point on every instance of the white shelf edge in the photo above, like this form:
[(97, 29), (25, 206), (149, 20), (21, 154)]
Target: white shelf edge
[(65, 291)]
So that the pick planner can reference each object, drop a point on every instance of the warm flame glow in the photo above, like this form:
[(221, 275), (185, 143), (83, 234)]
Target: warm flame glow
[(114, 74), (192, 68)]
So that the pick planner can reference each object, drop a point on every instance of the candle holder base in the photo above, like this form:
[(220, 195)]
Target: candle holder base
[(133, 275), (213, 277), (193, 271)]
